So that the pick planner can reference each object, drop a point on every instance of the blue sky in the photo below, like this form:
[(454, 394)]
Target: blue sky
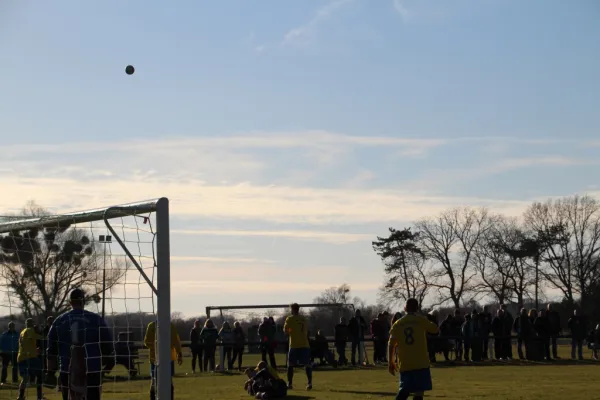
[(288, 134)]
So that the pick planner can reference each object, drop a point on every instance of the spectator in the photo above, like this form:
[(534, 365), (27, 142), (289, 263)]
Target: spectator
[(533, 340), (50, 376), (476, 336), (577, 326), (9, 349), (432, 338), (356, 329), (508, 325), (320, 347), (267, 330), (386, 335), (377, 334), (209, 336), (595, 342), (523, 329), (340, 339), (239, 342), (196, 346), (467, 334), (79, 339), (541, 326), (396, 317), (458, 323), (486, 327), (554, 328), (226, 336), (447, 330), (498, 332)]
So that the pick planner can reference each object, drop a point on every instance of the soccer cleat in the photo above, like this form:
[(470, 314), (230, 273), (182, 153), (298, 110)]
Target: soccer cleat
[(290, 386), (309, 386)]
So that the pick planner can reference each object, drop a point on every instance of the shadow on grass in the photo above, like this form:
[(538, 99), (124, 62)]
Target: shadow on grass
[(513, 363), (366, 392), (298, 397)]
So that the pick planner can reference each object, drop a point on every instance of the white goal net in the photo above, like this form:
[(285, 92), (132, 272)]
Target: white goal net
[(117, 258)]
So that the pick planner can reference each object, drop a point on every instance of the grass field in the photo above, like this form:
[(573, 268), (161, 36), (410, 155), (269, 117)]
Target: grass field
[(562, 379)]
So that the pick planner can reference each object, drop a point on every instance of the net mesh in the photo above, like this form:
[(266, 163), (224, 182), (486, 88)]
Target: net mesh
[(40, 267)]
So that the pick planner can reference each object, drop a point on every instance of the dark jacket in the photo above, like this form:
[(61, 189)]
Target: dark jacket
[(554, 323), (486, 323), (195, 338), (522, 327), (357, 328), (578, 327), (498, 327), (508, 322), (341, 334), (541, 325), (377, 329), (239, 338), (266, 330), (209, 336), (447, 327)]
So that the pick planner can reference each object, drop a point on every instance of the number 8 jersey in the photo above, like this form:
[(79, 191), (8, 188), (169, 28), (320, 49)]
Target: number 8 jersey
[(296, 328), (409, 334)]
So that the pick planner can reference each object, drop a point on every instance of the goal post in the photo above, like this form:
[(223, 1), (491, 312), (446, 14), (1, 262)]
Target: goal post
[(43, 258)]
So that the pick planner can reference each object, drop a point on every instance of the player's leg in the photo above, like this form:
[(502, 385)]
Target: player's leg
[(194, 357), (307, 367), (94, 386), (39, 380), (23, 366), (152, 381), (292, 362), (64, 384), (418, 396), (15, 368)]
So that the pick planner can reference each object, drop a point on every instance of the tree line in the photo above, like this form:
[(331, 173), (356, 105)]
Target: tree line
[(465, 255)]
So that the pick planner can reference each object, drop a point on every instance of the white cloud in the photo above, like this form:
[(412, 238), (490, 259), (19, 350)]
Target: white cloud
[(400, 9), (327, 237), (307, 31)]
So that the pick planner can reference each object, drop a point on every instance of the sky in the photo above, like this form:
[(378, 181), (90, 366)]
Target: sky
[(289, 134)]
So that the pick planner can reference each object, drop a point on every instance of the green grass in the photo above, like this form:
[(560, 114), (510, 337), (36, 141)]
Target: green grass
[(488, 380)]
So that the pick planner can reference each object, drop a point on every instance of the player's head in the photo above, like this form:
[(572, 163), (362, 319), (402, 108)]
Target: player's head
[(209, 323), (272, 320), (295, 309), (237, 324), (197, 323), (523, 312), (77, 298), (343, 321), (357, 313), (11, 326), (412, 306), (49, 321), (261, 365), (549, 307), (29, 323), (226, 325)]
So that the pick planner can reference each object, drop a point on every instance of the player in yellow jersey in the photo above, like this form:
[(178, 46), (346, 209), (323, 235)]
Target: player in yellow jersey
[(296, 327), (408, 338), (176, 354), (30, 362)]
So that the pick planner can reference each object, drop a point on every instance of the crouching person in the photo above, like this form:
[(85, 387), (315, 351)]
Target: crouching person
[(264, 383)]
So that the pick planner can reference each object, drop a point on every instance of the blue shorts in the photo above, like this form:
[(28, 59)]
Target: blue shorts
[(30, 367), (299, 356), (153, 369), (415, 381)]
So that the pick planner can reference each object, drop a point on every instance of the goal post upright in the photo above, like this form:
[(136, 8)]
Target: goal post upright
[(163, 295)]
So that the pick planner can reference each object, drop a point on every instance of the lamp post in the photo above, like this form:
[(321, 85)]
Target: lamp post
[(104, 239)]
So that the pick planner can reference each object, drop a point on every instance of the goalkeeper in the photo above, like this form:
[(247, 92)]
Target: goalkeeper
[(150, 343), (264, 382), (408, 337)]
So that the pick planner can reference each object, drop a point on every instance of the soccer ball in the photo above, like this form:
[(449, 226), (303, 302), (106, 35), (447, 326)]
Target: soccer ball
[(129, 70)]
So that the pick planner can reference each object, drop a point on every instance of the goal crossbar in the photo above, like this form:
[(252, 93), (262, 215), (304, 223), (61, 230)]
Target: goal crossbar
[(274, 306), (52, 221)]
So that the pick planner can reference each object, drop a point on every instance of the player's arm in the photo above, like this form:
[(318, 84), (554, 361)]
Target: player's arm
[(392, 345), (286, 327), (150, 337), (176, 343)]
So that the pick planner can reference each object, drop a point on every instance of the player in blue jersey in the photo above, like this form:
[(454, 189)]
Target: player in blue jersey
[(77, 340)]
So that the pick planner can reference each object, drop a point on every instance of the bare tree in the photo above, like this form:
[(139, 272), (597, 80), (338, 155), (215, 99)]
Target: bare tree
[(570, 228), (405, 269), (495, 267), (450, 240), (41, 266)]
